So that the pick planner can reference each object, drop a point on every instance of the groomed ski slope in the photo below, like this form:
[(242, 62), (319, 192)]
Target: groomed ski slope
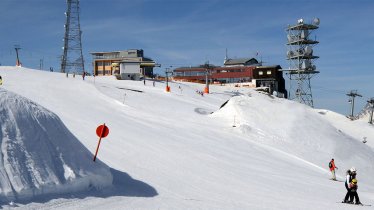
[(179, 156)]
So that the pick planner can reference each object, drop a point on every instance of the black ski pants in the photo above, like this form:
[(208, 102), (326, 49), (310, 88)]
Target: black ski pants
[(348, 195), (355, 196)]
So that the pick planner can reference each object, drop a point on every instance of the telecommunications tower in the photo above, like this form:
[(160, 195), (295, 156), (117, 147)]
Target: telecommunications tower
[(301, 58), (72, 59)]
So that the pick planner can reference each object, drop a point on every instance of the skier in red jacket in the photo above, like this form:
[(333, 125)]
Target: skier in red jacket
[(332, 169)]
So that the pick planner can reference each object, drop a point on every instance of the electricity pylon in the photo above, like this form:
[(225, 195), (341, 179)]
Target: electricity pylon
[(72, 59)]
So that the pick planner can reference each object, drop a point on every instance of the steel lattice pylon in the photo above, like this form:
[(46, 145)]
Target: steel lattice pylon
[(301, 58), (72, 59)]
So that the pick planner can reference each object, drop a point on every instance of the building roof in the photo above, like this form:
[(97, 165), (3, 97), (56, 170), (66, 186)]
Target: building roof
[(201, 69), (111, 52), (269, 67), (93, 53), (241, 61)]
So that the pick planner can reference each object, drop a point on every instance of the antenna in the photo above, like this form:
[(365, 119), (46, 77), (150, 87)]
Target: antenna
[(17, 48), (72, 59), (316, 21), (301, 58), (226, 57)]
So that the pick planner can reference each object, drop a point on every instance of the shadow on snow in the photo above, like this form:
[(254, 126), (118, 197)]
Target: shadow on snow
[(123, 185)]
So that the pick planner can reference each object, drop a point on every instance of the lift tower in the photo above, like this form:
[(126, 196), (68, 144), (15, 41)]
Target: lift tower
[(301, 59), (17, 48), (72, 59), (352, 95), (371, 105)]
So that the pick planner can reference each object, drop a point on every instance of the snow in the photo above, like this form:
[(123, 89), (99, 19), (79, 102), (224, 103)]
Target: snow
[(39, 155), (179, 150)]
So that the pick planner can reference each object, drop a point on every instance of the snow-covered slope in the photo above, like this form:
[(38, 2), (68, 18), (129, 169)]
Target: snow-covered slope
[(40, 156), (275, 158), (359, 129), (300, 132), (365, 113)]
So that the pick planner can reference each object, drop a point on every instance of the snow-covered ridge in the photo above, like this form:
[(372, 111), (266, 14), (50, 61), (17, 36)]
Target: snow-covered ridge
[(39, 155)]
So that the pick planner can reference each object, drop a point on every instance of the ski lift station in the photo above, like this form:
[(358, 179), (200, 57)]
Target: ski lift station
[(245, 72), (127, 64)]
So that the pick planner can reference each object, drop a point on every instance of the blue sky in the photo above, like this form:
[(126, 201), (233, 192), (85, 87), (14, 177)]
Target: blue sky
[(191, 32)]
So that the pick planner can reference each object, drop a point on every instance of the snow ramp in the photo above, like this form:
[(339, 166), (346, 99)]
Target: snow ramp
[(40, 156)]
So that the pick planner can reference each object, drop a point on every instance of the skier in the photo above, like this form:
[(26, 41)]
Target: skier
[(353, 186), (83, 74), (351, 174), (332, 169), (1, 80)]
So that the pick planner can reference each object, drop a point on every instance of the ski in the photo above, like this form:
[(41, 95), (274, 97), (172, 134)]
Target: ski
[(336, 180), (356, 204)]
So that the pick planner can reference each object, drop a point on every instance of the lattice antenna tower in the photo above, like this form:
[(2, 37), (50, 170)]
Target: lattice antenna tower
[(72, 59), (301, 59)]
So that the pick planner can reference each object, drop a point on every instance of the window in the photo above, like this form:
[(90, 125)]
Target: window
[(178, 74), (268, 72), (260, 73)]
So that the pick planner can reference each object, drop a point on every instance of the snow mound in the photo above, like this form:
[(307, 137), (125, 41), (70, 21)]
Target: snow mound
[(299, 131), (40, 156)]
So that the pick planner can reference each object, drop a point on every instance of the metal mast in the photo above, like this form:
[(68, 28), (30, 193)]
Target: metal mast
[(167, 72), (207, 74), (371, 103), (72, 59), (17, 48), (301, 58), (352, 95)]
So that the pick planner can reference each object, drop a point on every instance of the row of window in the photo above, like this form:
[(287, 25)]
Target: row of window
[(234, 80), (202, 73), (107, 72), (103, 63), (189, 73), (106, 56)]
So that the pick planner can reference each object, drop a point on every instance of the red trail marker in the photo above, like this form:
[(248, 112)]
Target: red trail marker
[(102, 131)]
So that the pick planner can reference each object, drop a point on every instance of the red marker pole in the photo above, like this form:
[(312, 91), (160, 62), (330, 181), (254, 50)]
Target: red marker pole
[(102, 131)]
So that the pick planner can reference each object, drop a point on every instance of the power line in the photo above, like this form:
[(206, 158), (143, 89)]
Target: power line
[(343, 92)]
